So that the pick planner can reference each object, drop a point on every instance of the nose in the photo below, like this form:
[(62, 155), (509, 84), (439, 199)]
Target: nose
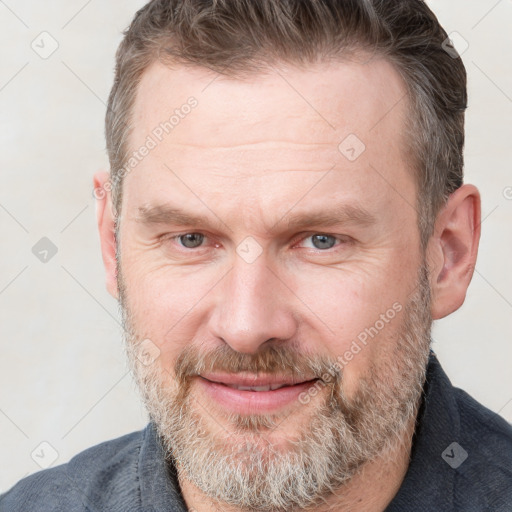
[(252, 307)]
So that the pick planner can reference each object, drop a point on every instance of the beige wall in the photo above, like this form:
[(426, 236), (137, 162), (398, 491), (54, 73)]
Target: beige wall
[(63, 377)]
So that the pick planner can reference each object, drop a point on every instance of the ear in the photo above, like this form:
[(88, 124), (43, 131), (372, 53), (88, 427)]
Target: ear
[(453, 249), (106, 228)]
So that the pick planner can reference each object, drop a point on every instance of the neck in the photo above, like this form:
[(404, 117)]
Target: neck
[(370, 490)]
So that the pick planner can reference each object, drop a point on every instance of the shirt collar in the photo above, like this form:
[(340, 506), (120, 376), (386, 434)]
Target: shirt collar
[(159, 487), (429, 481)]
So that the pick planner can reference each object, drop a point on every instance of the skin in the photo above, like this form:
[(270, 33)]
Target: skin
[(252, 154)]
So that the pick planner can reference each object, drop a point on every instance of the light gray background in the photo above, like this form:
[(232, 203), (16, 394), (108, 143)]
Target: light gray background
[(63, 376)]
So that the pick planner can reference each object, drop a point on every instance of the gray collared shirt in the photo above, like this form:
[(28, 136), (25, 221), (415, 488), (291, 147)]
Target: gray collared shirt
[(461, 460)]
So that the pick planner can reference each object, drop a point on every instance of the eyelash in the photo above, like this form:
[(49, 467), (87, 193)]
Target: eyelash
[(342, 239)]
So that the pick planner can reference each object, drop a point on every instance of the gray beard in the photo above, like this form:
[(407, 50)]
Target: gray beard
[(240, 465)]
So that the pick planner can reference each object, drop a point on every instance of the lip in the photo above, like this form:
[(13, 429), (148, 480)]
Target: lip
[(216, 387)]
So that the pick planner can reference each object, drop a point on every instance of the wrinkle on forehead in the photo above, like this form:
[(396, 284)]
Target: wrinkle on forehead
[(318, 105)]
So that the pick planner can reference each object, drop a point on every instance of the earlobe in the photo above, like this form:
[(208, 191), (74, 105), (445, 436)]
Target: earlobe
[(453, 250), (106, 228)]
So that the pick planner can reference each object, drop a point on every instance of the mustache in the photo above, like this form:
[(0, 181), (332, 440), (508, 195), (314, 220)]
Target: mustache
[(282, 360)]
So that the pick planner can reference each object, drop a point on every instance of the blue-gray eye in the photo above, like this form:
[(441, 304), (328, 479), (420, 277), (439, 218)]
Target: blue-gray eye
[(323, 241), (191, 240)]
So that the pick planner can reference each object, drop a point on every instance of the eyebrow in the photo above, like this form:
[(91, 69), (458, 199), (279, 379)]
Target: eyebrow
[(340, 214), (166, 214)]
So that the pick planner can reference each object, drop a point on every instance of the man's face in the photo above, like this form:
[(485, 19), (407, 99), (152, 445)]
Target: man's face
[(302, 268)]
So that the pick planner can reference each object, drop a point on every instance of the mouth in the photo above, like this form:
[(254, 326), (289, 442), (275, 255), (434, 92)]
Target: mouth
[(254, 394)]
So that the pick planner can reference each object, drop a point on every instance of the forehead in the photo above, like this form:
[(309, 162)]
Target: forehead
[(268, 128), (335, 97)]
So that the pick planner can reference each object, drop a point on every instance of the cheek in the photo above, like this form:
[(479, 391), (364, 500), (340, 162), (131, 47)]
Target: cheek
[(347, 301), (354, 316), (165, 304)]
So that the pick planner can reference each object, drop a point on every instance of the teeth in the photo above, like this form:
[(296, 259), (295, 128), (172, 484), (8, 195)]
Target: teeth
[(253, 388), (269, 387)]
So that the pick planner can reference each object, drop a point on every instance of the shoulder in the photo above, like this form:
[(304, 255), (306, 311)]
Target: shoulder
[(109, 467), (486, 439), (486, 433)]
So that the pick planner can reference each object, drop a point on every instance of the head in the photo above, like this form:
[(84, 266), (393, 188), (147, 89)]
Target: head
[(285, 201)]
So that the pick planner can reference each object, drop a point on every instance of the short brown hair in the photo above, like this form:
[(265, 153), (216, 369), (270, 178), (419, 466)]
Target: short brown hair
[(234, 37)]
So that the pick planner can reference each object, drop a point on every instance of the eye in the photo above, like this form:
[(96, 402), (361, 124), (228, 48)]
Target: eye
[(190, 240), (324, 241)]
